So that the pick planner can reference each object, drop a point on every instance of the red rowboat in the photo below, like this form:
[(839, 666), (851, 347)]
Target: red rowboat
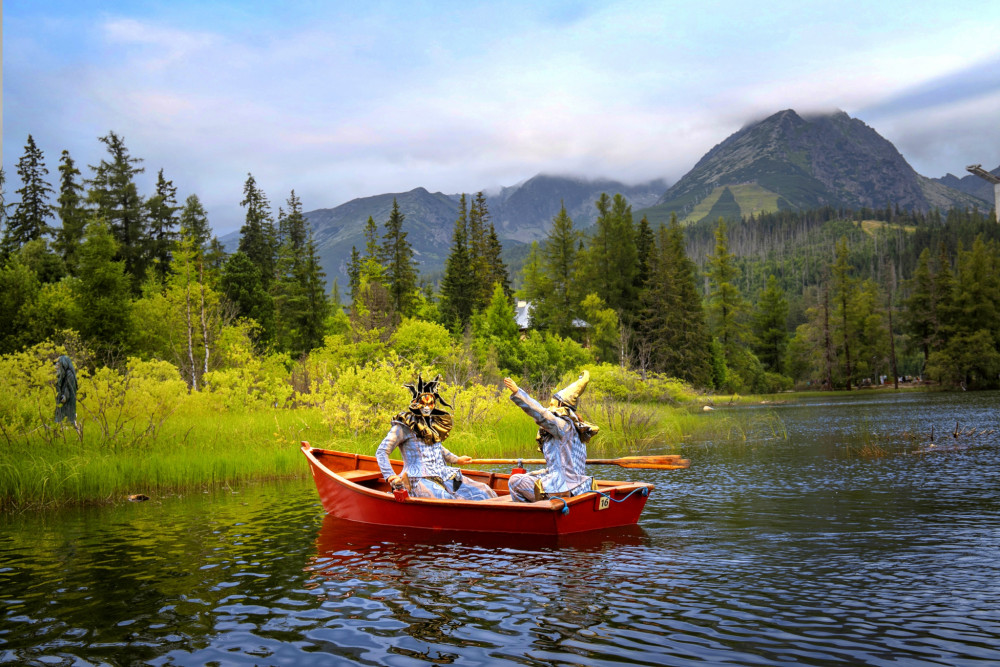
[(351, 487)]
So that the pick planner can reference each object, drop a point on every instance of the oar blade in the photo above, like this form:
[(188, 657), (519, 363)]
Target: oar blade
[(675, 465)]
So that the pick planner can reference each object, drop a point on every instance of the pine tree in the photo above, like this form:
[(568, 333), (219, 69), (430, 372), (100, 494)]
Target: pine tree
[(215, 258), (562, 304), (770, 326), (401, 270), (114, 194), (921, 321), (536, 287), (372, 267), (354, 273), (312, 327), (945, 313), (456, 286), (71, 213), (610, 265), (243, 285), (194, 222), (299, 292), (497, 272), (161, 212), (844, 287), (672, 324), (645, 246), (479, 220), (727, 309), (258, 237), (103, 291), (28, 222)]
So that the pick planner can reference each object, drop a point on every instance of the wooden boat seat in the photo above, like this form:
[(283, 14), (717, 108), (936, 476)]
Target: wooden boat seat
[(358, 476), (499, 499)]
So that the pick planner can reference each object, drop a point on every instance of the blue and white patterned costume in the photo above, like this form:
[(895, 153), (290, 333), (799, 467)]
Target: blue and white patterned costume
[(424, 465), (565, 455)]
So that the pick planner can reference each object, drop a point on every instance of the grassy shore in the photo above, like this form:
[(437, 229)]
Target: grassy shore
[(195, 449)]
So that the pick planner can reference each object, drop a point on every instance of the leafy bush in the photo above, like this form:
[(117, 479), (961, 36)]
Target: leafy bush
[(248, 379)]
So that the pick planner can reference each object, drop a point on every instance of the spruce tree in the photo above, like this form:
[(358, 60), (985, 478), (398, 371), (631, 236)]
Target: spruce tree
[(354, 273), (497, 272), (537, 288), (161, 215), (29, 220), (479, 220), (844, 288), (920, 318), (71, 213), (312, 326), (372, 267), (945, 313), (770, 326), (194, 222), (258, 237), (559, 251), (456, 286), (645, 246), (610, 264), (243, 285), (727, 309), (299, 291), (103, 291), (112, 190), (215, 257), (401, 270), (672, 323)]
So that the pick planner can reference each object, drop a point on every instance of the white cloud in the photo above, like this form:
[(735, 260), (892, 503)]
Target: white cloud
[(355, 100)]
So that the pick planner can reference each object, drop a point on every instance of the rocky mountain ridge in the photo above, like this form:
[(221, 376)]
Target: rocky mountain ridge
[(785, 161)]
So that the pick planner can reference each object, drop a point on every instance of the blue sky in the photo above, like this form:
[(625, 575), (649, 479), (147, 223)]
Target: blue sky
[(345, 99)]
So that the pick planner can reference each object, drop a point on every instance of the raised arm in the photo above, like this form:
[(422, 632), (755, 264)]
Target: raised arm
[(542, 416)]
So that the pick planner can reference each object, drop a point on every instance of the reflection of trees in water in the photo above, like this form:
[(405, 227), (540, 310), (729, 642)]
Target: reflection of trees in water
[(503, 594)]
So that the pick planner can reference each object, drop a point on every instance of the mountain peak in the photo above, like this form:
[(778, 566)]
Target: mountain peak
[(797, 161)]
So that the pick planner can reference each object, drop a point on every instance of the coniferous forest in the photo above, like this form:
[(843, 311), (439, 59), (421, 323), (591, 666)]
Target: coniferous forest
[(824, 298)]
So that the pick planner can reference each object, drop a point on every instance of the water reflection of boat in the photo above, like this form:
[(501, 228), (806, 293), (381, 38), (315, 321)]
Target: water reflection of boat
[(351, 487), (342, 536)]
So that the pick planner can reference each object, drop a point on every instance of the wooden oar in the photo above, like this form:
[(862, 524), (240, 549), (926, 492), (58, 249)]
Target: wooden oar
[(661, 462)]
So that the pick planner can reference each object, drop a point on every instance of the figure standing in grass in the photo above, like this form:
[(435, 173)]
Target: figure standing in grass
[(562, 437), (65, 390), (418, 433)]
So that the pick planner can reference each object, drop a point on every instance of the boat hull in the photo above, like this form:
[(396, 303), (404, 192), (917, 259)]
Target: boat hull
[(351, 487)]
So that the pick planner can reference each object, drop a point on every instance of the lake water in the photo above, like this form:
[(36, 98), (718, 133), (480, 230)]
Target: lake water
[(768, 550)]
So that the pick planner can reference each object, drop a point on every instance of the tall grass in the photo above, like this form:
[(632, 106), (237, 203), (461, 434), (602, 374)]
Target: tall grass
[(141, 432), (202, 448)]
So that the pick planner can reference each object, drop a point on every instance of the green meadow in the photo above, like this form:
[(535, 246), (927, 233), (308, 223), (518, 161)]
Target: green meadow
[(141, 431)]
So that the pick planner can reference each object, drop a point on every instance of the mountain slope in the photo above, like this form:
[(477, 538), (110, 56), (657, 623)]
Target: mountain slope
[(790, 161), (971, 184), (520, 214), (525, 212)]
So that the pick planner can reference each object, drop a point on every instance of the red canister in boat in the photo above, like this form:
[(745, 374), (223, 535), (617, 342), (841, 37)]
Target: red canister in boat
[(518, 469)]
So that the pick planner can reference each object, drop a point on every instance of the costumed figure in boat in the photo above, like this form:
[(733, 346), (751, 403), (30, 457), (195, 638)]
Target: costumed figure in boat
[(562, 437), (418, 433)]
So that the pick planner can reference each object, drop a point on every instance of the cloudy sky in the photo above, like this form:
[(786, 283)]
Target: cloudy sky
[(345, 99)]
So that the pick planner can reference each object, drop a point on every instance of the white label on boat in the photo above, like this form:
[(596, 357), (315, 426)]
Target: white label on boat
[(603, 503)]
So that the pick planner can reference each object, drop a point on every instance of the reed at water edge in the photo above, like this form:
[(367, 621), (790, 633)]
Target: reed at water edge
[(196, 449), (140, 431)]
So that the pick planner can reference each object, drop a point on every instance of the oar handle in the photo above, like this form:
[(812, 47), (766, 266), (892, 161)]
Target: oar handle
[(657, 462)]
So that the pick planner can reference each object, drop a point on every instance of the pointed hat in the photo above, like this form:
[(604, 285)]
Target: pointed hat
[(571, 394)]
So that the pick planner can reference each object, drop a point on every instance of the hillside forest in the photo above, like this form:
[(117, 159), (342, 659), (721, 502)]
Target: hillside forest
[(822, 298)]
